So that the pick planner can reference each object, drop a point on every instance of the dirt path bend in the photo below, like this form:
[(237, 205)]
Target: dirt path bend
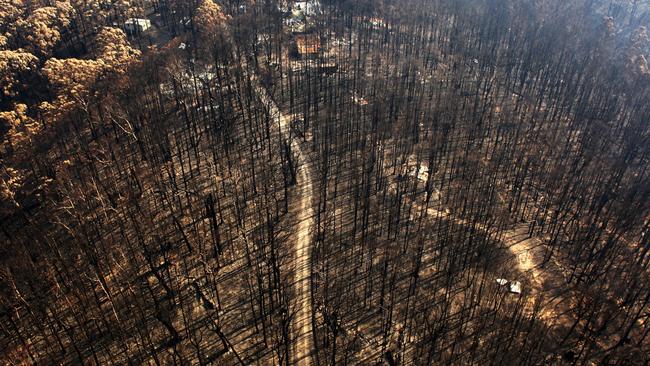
[(527, 250), (302, 326), (529, 255)]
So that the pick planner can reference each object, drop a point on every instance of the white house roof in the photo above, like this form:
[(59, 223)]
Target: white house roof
[(138, 21)]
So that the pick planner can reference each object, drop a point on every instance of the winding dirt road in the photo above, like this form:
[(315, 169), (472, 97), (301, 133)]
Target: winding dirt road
[(302, 326)]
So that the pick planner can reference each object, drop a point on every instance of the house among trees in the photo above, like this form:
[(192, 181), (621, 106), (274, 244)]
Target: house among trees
[(328, 68), (377, 22), (136, 25), (283, 6), (308, 44), (309, 8), (359, 100), (296, 22)]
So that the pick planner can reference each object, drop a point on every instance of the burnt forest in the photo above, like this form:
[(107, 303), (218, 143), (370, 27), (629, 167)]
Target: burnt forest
[(324, 182)]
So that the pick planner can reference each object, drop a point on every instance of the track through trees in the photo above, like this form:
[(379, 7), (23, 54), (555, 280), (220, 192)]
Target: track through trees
[(303, 235)]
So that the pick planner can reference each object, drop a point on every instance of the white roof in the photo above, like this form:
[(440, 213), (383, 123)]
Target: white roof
[(138, 21), (515, 287), (309, 7)]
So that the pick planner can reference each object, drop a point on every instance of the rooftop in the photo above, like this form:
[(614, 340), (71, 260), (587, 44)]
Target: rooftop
[(308, 44)]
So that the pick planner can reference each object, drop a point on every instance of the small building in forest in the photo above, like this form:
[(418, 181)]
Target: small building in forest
[(376, 22), (137, 25), (328, 68), (359, 100), (309, 8), (308, 44), (296, 24)]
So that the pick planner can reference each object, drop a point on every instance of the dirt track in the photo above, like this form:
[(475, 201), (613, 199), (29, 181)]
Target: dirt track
[(302, 327)]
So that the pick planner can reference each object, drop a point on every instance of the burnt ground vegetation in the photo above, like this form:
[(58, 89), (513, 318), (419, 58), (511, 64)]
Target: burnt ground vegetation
[(154, 199)]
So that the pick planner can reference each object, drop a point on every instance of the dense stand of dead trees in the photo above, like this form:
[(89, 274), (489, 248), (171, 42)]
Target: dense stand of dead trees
[(155, 223), (510, 122)]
